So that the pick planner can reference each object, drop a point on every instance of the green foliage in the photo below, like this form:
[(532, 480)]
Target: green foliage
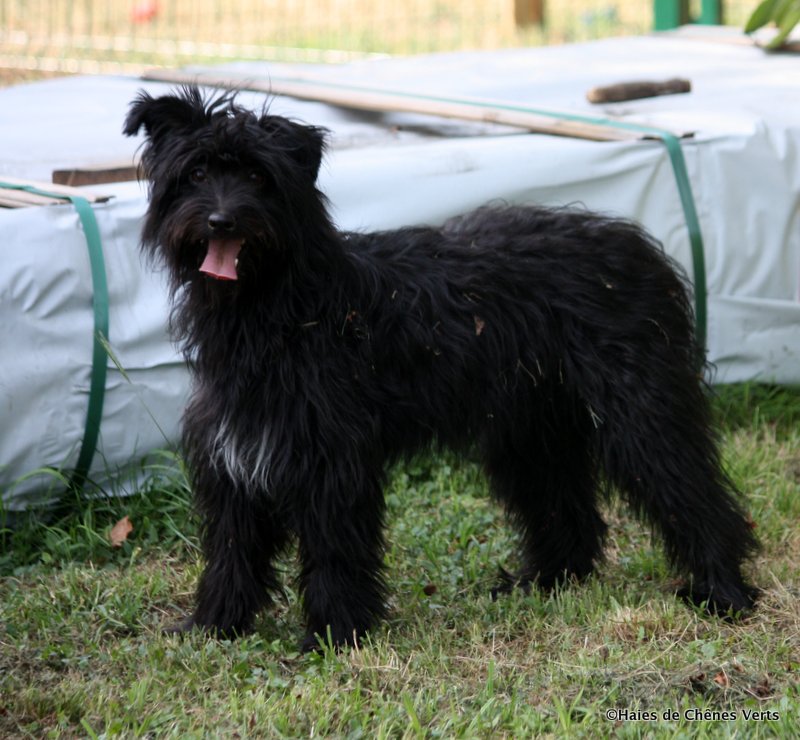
[(785, 14), (77, 529)]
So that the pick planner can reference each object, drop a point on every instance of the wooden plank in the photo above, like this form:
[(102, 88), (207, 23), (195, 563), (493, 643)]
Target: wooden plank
[(21, 198), (96, 175), (623, 91), (13, 198), (350, 96)]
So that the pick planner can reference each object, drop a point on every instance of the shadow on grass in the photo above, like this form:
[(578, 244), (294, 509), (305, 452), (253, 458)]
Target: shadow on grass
[(749, 405)]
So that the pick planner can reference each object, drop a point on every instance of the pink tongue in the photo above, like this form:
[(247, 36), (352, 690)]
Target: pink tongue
[(220, 261)]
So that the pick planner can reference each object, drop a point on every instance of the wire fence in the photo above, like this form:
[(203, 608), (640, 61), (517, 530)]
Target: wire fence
[(80, 35)]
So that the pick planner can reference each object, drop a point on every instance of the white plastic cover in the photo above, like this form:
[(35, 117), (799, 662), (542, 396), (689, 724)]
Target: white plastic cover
[(391, 170)]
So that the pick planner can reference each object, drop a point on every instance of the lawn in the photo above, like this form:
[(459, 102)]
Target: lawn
[(82, 654)]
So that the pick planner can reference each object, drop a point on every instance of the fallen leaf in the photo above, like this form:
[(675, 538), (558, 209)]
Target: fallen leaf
[(429, 589), (721, 679), (120, 531)]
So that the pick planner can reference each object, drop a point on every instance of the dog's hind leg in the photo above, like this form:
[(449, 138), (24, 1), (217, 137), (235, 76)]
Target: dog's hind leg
[(548, 487), (240, 536), (659, 450), (341, 551)]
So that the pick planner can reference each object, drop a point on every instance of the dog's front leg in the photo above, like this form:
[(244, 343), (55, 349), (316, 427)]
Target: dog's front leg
[(240, 537), (341, 549)]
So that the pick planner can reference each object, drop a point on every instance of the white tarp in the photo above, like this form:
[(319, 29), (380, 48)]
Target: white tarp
[(391, 170)]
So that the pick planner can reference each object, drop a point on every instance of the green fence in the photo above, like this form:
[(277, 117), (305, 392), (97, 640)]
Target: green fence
[(87, 34)]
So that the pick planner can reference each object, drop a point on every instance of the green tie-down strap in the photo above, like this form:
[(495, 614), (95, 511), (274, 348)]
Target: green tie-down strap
[(673, 146), (94, 412)]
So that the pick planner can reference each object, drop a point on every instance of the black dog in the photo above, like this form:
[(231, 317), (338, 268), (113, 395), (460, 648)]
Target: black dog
[(555, 344)]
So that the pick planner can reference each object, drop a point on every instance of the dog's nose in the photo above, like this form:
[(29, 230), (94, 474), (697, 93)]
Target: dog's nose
[(221, 222)]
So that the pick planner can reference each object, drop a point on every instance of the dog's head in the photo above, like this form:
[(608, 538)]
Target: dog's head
[(229, 189)]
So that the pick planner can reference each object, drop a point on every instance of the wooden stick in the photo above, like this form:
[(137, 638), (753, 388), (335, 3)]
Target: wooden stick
[(96, 175), (350, 96), (623, 91), (13, 198), (21, 198)]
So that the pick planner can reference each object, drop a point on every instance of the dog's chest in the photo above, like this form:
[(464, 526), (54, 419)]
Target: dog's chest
[(256, 415), (245, 454), (232, 428), (249, 429)]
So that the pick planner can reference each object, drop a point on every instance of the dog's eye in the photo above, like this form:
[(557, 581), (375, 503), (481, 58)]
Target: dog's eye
[(198, 175), (256, 177)]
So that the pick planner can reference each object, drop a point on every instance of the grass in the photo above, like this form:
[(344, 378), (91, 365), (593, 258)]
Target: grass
[(81, 652)]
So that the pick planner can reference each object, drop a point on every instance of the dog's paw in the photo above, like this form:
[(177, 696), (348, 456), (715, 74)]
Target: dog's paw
[(508, 582), (191, 624), (730, 603), (179, 628), (313, 643)]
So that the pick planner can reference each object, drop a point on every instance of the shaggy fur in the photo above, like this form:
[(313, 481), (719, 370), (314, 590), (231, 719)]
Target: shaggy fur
[(557, 345)]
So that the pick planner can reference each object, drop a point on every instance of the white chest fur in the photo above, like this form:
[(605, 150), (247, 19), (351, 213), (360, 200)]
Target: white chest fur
[(244, 455)]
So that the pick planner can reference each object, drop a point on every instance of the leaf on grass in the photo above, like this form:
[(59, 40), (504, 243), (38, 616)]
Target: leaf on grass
[(120, 531), (721, 679), (429, 589)]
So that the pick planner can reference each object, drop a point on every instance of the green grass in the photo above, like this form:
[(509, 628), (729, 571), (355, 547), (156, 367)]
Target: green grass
[(81, 654)]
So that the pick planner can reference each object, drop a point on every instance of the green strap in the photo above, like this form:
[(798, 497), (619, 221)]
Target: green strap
[(94, 412), (673, 146), (671, 143)]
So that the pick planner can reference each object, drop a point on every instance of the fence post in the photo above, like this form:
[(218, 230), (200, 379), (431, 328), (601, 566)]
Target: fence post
[(670, 13), (529, 12), (710, 12)]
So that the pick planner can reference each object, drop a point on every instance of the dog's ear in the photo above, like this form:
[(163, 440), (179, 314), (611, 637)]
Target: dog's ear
[(304, 144), (167, 113)]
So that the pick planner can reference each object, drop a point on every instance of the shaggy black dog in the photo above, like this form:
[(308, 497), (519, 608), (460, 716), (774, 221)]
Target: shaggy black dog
[(557, 345)]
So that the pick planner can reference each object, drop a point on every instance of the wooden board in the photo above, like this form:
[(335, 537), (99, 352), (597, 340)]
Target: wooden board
[(638, 89), (13, 198), (350, 96), (96, 175)]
